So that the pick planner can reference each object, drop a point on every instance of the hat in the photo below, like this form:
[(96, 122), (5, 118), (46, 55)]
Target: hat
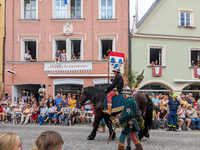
[(155, 94), (117, 69), (188, 105), (127, 90), (12, 105), (182, 96), (174, 95)]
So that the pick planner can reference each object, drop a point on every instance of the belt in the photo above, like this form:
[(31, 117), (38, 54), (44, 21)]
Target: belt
[(132, 119)]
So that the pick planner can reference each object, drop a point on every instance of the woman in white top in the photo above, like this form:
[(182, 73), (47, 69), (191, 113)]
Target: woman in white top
[(21, 103), (75, 114), (63, 55), (17, 113), (182, 117), (164, 101)]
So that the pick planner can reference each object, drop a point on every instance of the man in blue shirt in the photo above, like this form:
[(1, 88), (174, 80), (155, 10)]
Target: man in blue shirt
[(58, 100), (58, 56), (188, 100), (172, 107), (43, 114), (155, 101)]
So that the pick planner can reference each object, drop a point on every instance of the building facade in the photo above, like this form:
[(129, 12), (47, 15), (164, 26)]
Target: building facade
[(86, 29), (168, 33), (2, 10)]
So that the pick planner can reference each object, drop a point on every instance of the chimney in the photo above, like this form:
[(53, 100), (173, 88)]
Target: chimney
[(134, 25)]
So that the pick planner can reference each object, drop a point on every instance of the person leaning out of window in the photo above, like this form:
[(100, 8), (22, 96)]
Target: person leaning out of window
[(28, 56)]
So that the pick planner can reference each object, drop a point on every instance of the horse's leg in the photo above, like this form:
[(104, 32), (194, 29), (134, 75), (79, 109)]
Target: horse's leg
[(95, 127), (109, 125)]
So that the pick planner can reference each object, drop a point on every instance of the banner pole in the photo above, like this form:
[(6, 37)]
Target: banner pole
[(108, 69)]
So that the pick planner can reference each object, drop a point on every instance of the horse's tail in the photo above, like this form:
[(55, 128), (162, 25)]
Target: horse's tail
[(149, 110)]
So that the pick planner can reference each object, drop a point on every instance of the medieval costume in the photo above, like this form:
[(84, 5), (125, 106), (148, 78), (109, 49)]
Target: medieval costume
[(114, 89)]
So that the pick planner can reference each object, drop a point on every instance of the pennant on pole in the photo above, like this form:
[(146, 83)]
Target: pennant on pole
[(66, 2)]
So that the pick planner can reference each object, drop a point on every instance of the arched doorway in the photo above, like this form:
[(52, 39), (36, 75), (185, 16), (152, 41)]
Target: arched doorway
[(192, 88), (157, 88)]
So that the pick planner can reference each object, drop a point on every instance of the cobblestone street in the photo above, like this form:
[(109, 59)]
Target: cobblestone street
[(75, 138)]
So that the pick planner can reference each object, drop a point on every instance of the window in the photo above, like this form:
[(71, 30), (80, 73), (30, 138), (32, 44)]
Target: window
[(29, 9), (60, 45), (60, 9), (156, 54), (186, 18), (76, 49), (75, 8), (102, 86), (29, 44), (67, 88), (106, 9), (105, 46), (195, 56)]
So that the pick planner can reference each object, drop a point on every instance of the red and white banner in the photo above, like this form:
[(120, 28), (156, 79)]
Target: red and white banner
[(197, 72), (157, 71), (116, 60)]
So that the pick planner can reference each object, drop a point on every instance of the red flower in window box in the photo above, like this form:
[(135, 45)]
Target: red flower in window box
[(189, 27)]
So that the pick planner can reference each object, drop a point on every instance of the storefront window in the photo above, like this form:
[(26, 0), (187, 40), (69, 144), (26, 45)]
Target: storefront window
[(64, 89), (102, 86)]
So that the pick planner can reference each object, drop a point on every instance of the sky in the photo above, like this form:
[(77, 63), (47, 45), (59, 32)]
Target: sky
[(143, 6)]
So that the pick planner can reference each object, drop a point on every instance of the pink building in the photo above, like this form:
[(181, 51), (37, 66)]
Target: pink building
[(85, 27)]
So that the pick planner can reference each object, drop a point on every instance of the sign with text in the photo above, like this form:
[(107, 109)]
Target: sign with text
[(157, 71), (116, 60), (68, 67), (197, 72)]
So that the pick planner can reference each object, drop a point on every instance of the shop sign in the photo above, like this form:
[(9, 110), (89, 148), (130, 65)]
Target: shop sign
[(51, 67)]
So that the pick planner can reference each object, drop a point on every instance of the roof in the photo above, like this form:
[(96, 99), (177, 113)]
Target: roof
[(147, 14)]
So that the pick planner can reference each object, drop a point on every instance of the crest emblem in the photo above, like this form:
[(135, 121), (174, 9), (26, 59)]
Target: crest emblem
[(198, 71), (128, 110), (157, 70)]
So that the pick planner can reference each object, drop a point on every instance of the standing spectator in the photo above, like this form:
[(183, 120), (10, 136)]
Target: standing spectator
[(33, 99), (42, 92), (191, 98), (198, 102), (170, 97), (183, 101), (21, 102), (6, 113), (48, 140), (50, 100), (192, 114), (28, 56), (198, 63), (188, 100), (58, 114), (64, 101), (43, 114), (164, 101), (72, 101), (24, 96), (29, 101), (3, 100), (152, 64), (180, 98), (66, 113), (172, 108), (155, 101), (162, 115), (10, 141), (156, 62), (35, 112), (58, 99), (57, 56), (182, 117), (75, 114), (63, 55), (51, 112), (6, 95), (82, 115), (26, 114), (17, 112), (69, 97), (43, 101)]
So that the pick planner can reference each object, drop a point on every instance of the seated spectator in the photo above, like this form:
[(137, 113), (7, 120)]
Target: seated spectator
[(156, 62), (73, 57), (57, 56), (193, 64), (43, 114), (162, 117), (191, 98), (69, 98), (180, 98), (79, 56), (66, 113), (17, 112), (192, 114), (6, 113), (188, 100), (3, 100), (64, 101), (198, 64), (26, 114), (88, 108), (58, 114), (10, 141), (1, 108), (21, 102), (58, 99), (48, 140), (183, 101), (10, 104), (43, 101), (182, 117), (198, 102), (152, 64), (29, 101), (105, 57), (33, 99), (72, 101), (50, 100), (63, 55), (82, 115), (51, 113), (75, 114), (28, 56), (35, 112)]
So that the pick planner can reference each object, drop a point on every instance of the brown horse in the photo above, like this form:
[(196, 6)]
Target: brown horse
[(97, 96)]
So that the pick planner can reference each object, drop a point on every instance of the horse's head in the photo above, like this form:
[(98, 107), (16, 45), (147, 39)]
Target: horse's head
[(82, 97)]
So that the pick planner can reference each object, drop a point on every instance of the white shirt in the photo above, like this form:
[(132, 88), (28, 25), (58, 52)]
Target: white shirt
[(21, 104), (7, 110), (18, 110), (53, 109), (198, 102), (76, 110), (28, 56), (183, 114), (42, 90), (88, 106)]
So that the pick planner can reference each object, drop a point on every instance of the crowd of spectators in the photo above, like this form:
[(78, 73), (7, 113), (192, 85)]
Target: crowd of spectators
[(195, 65), (188, 113)]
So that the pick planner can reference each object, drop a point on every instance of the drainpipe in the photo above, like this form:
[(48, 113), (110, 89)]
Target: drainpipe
[(129, 34), (4, 38)]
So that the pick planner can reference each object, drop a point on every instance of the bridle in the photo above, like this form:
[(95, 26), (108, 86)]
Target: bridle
[(82, 94)]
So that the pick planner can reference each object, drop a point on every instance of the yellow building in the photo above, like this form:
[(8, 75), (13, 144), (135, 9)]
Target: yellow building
[(2, 14)]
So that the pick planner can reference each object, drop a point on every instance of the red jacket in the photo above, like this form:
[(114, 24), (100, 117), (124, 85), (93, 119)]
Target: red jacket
[(1, 109)]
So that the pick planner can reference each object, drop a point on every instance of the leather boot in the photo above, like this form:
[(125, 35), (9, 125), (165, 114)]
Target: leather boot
[(109, 110), (120, 147), (139, 147), (103, 129)]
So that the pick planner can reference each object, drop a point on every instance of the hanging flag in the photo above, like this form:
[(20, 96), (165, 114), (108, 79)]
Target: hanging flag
[(157, 71), (66, 2)]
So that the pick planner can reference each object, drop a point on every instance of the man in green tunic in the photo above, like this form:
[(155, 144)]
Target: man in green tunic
[(129, 114)]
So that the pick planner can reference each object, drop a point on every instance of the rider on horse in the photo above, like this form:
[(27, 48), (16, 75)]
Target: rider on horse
[(114, 89)]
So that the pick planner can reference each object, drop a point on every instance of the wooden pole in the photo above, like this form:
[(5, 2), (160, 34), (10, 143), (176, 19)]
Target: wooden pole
[(108, 68)]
